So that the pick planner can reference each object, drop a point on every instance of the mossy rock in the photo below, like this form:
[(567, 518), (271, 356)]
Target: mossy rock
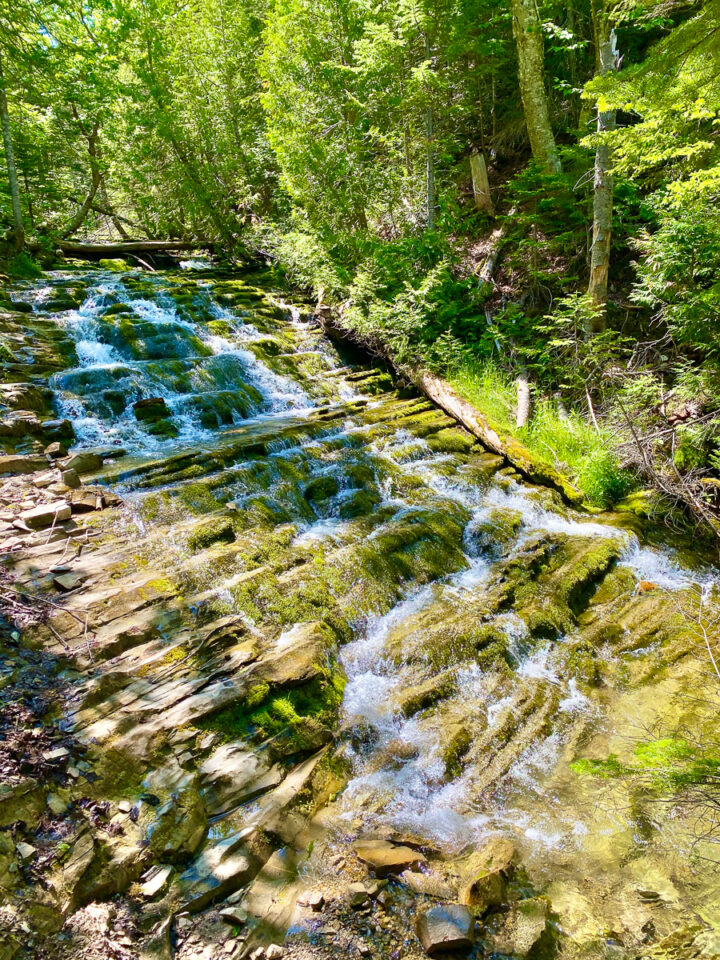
[(452, 440), (114, 263), (359, 503), (498, 531), (162, 428), (216, 530), (321, 489), (458, 740), (117, 308)]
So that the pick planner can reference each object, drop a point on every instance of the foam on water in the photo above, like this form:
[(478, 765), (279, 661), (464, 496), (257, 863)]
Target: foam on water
[(279, 393)]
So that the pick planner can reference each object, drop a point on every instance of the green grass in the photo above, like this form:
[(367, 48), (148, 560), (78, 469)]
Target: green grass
[(571, 444)]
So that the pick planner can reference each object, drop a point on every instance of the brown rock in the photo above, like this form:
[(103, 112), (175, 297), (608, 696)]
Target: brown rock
[(70, 478), (85, 501), (85, 462), (486, 872), (46, 515), (384, 857), (18, 464), (55, 450), (522, 927)]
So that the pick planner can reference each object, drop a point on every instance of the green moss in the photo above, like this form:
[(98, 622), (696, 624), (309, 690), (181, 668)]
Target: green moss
[(176, 655), (162, 428), (198, 498), (499, 530), (302, 718), (360, 503), (459, 740), (216, 530)]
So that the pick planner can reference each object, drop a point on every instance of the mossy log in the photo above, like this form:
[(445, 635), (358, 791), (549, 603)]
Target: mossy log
[(530, 466), (442, 395), (93, 250)]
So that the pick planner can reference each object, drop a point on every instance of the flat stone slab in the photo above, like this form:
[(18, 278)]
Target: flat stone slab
[(220, 869), (384, 857), (18, 465), (156, 880), (46, 514), (449, 926)]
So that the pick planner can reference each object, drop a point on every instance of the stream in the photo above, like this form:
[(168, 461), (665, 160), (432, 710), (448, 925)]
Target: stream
[(322, 614)]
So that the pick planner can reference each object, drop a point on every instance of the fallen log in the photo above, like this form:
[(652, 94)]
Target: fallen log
[(127, 247), (441, 393), (529, 466)]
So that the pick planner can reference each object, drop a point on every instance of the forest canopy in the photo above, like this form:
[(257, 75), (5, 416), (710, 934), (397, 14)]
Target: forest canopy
[(521, 197)]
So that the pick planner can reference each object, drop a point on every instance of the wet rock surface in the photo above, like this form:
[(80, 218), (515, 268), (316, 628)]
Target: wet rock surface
[(291, 667)]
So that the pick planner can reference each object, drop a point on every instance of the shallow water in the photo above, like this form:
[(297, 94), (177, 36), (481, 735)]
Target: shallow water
[(415, 534)]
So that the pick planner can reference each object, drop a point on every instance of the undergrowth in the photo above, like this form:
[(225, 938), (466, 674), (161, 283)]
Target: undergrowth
[(569, 442)]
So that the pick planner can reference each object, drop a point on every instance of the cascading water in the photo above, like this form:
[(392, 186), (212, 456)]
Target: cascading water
[(299, 510), (174, 358)]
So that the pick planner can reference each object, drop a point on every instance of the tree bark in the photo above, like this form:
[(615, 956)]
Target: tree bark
[(527, 29), (430, 157), (480, 182), (18, 227), (523, 398), (133, 246), (602, 195), (77, 221)]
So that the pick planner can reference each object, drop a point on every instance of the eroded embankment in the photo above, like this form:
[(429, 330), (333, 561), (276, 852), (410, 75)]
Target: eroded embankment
[(304, 667)]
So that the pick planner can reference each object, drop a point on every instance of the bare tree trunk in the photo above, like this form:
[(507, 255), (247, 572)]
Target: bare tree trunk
[(430, 155), (527, 29), (18, 239), (480, 182), (523, 398), (602, 196), (95, 177)]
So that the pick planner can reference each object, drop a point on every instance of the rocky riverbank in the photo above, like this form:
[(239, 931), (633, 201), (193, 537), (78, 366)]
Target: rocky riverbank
[(292, 665)]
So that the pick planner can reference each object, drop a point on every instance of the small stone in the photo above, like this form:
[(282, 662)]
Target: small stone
[(59, 753), (522, 927), (68, 581), (70, 478), (56, 804), (124, 806), (447, 927), (315, 901), (84, 462), (384, 899), (258, 954), (43, 480), (26, 851), (235, 916), (358, 895), (156, 881), (364, 950), (55, 450), (85, 502), (73, 772), (274, 952)]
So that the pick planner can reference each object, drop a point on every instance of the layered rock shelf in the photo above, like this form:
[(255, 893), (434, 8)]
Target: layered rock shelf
[(292, 666)]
